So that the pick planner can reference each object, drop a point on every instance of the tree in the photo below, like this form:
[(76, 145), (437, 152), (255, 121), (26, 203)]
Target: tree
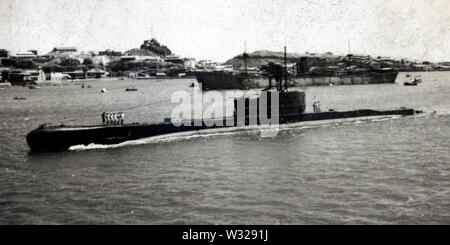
[(88, 61), (69, 62), (24, 64), (154, 46)]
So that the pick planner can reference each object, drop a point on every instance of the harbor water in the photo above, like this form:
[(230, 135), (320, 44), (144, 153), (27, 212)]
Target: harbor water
[(388, 170)]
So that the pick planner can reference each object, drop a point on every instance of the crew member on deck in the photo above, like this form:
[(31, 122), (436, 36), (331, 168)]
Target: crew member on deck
[(104, 117), (316, 105), (121, 116)]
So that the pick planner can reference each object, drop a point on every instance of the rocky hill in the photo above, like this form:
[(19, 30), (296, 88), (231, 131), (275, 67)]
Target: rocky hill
[(140, 52), (150, 48)]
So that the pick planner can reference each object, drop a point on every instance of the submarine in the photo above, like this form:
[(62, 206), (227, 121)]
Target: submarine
[(62, 137), (291, 109)]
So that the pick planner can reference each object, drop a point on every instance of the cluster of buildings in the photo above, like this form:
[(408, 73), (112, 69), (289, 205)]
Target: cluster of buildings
[(60, 64), (68, 63)]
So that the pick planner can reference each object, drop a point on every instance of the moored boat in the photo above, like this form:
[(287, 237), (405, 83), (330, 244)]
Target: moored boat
[(19, 98), (413, 82)]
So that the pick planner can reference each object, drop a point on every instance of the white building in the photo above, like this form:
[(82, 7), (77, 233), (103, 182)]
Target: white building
[(64, 52), (25, 55)]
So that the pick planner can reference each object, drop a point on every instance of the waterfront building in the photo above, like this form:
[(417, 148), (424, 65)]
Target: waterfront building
[(96, 73), (127, 58), (218, 68), (361, 57), (422, 67), (92, 73), (306, 63), (64, 50), (189, 63), (206, 65), (154, 59), (384, 59), (3, 74), (58, 76), (21, 77), (173, 59), (228, 68), (101, 60), (42, 58), (443, 66), (25, 55)]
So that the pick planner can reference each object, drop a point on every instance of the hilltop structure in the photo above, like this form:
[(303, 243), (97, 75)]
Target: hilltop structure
[(154, 46)]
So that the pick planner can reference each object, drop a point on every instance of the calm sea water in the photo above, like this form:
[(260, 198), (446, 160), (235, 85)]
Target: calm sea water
[(388, 170)]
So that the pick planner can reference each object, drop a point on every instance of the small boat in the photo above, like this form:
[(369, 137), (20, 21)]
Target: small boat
[(3, 85), (407, 75), (413, 82), (33, 87), (410, 83), (131, 89), (104, 90)]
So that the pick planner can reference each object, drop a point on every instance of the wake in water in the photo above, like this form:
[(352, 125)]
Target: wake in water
[(249, 130)]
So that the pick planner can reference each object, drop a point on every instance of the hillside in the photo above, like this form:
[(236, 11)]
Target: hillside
[(140, 52), (150, 48), (262, 57)]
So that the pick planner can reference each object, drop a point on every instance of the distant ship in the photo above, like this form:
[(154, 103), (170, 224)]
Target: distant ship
[(218, 80), (413, 82), (228, 80)]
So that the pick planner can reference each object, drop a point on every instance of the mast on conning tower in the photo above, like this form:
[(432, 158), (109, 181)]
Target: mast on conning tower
[(285, 70), (245, 56)]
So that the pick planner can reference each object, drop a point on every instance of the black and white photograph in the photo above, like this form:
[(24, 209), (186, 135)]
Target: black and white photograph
[(225, 112)]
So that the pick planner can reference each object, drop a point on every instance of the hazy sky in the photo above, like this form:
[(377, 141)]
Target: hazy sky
[(218, 29)]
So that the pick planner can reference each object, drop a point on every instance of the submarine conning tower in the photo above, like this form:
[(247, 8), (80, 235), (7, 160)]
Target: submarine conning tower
[(290, 102)]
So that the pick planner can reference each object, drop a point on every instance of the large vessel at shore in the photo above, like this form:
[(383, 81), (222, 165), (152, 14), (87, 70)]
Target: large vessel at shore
[(219, 80), (304, 71)]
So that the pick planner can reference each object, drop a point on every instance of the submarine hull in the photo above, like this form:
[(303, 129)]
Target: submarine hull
[(56, 138), (59, 138)]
